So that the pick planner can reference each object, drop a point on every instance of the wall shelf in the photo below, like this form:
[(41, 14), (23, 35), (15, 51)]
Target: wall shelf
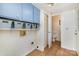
[(23, 16), (20, 29), (1, 17), (14, 24)]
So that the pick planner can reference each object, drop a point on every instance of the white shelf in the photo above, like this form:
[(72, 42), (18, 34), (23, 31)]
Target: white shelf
[(20, 29)]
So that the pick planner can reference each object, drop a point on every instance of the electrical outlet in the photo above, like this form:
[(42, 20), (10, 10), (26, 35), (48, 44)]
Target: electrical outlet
[(37, 47)]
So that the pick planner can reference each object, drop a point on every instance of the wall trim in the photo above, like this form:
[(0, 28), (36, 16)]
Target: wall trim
[(26, 54)]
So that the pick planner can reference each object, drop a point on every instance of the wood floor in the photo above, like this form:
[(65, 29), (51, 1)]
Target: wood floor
[(55, 50)]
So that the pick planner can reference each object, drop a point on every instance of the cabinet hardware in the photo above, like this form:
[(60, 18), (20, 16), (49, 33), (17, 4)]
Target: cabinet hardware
[(36, 25), (24, 25), (31, 26), (13, 25)]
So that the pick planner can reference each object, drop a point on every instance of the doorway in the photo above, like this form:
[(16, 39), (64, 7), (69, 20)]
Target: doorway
[(56, 22), (46, 30)]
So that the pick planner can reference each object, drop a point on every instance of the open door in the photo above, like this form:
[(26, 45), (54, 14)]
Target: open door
[(56, 28)]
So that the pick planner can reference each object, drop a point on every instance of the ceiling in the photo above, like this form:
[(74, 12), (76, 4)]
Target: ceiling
[(57, 7)]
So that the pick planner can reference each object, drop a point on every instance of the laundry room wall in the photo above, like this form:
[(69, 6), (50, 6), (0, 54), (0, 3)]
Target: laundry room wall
[(12, 44)]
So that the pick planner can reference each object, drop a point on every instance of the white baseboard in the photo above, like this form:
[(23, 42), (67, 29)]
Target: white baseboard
[(69, 48), (40, 49), (28, 52)]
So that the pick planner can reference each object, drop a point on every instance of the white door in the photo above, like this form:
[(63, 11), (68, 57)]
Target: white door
[(46, 30)]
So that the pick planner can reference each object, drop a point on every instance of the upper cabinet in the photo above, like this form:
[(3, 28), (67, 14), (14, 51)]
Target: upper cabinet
[(20, 11), (27, 12), (36, 15), (0, 9), (11, 10)]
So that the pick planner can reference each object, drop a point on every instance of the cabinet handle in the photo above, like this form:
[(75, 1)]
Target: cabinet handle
[(24, 25), (31, 26), (36, 25), (12, 25)]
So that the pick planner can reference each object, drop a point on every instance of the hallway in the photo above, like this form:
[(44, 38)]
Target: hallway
[(55, 50)]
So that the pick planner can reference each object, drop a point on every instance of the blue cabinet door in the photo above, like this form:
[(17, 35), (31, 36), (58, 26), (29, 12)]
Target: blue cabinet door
[(0, 9), (27, 12), (36, 15), (11, 10)]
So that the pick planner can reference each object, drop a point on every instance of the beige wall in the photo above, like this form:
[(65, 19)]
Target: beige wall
[(55, 27), (12, 44)]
